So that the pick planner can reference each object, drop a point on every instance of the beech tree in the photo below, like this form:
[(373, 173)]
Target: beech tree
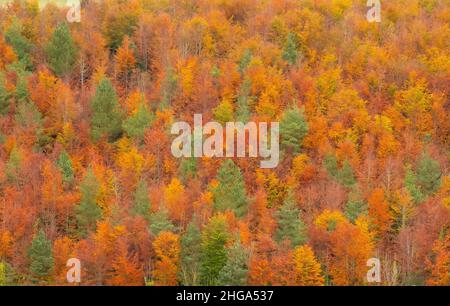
[(307, 270), (379, 211), (167, 249)]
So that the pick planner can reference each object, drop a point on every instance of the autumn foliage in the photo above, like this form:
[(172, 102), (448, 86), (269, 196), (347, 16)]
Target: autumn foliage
[(86, 169)]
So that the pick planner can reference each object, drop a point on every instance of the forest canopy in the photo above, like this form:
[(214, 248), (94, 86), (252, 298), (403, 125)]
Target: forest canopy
[(86, 169)]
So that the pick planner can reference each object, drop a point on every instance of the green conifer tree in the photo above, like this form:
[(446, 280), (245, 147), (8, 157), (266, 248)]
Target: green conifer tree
[(169, 87), (41, 258), (61, 51), (290, 49), (160, 222), (214, 253), (290, 224), (190, 254), (141, 204), (136, 124), (245, 61), (345, 175), (107, 114), (243, 111), (428, 175), (411, 185), (355, 205), (331, 165), (235, 271), (5, 96), (230, 192), (88, 212), (188, 168), (13, 164), (293, 128), (65, 166)]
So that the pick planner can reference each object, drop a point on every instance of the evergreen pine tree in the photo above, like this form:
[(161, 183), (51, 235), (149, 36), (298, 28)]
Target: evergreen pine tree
[(293, 128), (245, 61), (243, 110), (290, 53), (214, 254), (65, 166), (61, 51), (428, 175), (41, 257), (107, 115), (141, 205), (13, 164), (4, 96), (188, 168), (330, 163), (345, 175), (136, 124), (230, 192), (88, 212), (159, 222), (411, 186), (355, 206), (290, 224), (169, 87), (190, 254), (235, 271), (22, 93), (425, 181)]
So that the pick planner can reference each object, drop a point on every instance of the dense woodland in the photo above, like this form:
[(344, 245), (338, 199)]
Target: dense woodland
[(86, 169)]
